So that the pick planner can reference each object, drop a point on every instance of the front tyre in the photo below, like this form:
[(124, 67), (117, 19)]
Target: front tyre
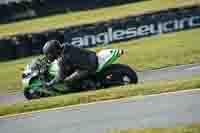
[(29, 93), (119, 74)]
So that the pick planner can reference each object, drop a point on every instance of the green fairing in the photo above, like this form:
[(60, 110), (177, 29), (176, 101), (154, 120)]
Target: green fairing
[(35, 83), (114, 56)]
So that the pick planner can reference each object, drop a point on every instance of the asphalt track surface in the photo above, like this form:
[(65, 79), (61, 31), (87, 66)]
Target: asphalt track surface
[(170, 73), (164, 110)]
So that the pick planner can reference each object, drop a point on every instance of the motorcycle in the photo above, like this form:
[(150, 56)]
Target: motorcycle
[(39, 72)]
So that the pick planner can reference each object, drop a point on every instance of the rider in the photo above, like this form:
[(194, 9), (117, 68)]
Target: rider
[(80, 62)]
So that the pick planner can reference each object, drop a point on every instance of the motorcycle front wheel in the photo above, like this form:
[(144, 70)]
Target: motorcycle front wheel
[(30, 93)]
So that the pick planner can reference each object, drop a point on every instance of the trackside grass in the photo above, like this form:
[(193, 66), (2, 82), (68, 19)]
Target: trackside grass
[(193, 128), (145, 54), (149, 53), (106, 94), (90, 16)]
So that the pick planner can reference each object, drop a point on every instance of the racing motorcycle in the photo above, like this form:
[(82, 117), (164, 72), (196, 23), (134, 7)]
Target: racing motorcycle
[(37, 73)]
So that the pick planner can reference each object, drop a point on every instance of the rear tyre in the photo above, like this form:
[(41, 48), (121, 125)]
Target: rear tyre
[(119, 74)]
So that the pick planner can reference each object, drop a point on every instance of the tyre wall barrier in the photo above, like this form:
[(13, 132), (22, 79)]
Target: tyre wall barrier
[(8, 49), (103, 33), (133, 27), (27, 9)]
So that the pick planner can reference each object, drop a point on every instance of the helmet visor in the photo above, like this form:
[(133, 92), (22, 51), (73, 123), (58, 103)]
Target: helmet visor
[(51, 57)]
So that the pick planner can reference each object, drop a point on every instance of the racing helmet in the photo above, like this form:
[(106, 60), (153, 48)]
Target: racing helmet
[(52, 50)]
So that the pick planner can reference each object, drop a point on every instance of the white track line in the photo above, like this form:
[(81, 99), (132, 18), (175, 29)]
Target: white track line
[(99, 102)]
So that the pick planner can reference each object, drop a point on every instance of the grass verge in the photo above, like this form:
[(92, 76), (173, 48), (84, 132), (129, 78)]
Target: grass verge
[(91, 16), (106, 94), (145, 54), (193, 128)]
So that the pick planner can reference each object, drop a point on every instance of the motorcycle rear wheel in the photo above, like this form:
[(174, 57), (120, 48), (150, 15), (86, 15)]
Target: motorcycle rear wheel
[(119, 74)]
